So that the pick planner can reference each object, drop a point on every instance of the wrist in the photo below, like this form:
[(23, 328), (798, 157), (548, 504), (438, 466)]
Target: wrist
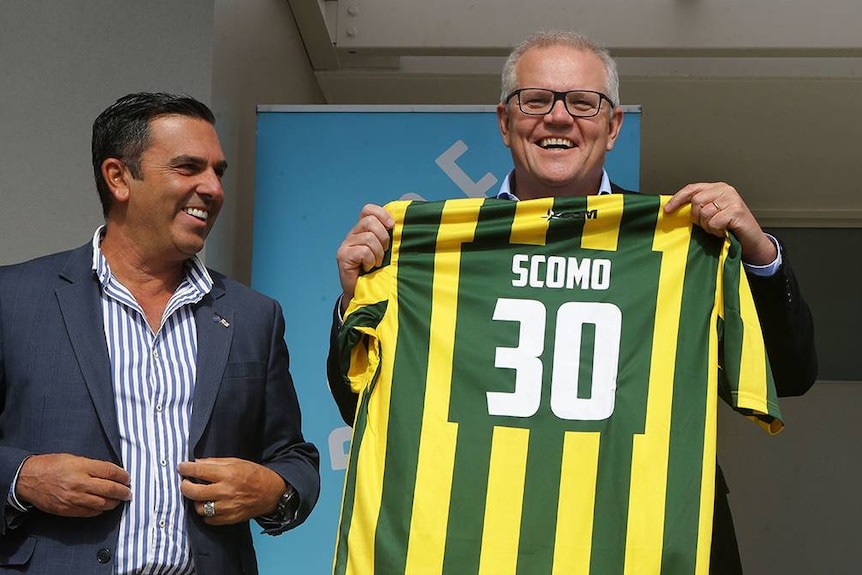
[(287, 505), (343, 303), (284, 511), (764, 254)]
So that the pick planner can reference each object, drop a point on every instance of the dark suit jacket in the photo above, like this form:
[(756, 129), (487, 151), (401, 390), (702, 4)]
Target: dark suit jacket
[(57, 397), (788, 333)]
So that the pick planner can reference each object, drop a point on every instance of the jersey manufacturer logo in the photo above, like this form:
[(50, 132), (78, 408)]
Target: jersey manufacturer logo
[(576, 215)]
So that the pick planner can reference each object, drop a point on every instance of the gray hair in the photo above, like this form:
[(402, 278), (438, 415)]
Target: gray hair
[(547, 39)]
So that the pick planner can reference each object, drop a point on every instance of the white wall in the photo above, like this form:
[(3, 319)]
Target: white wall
[(258, 59), (61, 63)]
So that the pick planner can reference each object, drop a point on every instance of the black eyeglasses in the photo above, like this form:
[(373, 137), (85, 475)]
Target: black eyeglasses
[(579, 103)]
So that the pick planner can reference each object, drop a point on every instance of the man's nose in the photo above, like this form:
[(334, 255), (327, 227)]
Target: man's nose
[(210, 184), (558, 112)]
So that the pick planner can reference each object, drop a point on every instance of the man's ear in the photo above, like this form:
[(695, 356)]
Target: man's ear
[(614, 126), (503, 122), (117, 176)]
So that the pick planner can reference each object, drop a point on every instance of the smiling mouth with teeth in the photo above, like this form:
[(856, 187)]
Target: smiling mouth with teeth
[(197, 213), (556, 143)]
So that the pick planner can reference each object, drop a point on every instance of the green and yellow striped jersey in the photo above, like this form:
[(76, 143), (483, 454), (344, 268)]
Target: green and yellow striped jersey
[(539, 384)]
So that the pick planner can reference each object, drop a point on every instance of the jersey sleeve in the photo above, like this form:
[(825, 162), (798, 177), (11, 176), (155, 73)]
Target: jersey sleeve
[(359, 345), (359, 340), (746, 381)]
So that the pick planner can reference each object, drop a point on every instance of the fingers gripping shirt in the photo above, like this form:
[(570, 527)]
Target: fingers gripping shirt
[(539, 383)]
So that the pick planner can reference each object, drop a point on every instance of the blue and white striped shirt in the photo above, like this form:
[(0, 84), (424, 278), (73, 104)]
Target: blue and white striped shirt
[(153, 376)]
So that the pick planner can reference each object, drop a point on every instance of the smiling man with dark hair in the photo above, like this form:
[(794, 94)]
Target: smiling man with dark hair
[(147, 408)]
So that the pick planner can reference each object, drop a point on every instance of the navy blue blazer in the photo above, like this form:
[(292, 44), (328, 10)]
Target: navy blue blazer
[(56, 396)]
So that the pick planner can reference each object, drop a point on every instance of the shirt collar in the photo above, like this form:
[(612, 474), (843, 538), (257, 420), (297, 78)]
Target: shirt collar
[(197, 275), (505, 191)]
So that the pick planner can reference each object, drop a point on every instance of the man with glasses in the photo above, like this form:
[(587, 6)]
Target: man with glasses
[(559, 115)]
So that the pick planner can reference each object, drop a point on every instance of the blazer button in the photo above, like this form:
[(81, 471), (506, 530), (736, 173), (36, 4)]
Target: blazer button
[(103, 555)]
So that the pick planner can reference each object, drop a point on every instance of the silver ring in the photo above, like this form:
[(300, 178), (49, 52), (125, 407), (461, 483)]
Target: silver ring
[(209, 508)]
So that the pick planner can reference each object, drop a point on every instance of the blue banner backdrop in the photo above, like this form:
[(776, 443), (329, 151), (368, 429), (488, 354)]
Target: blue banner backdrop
[(316, 167)]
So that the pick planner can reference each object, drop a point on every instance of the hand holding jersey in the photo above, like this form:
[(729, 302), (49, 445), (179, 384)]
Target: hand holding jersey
[(363, 248), (718, 208)]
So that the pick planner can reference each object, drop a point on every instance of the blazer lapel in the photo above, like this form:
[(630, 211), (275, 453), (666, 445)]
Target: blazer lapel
[(82, 314), (214, 324)]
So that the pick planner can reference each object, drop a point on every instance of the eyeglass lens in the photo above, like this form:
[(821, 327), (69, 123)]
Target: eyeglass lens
[(578, 102)]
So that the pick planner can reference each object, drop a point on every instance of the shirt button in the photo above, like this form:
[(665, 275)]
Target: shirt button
[(156, 354), (162, 523), (103, 555), (159, 408), (163, 462)]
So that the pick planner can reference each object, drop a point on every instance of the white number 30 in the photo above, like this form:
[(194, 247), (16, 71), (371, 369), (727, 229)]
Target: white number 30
[(571, 317)]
